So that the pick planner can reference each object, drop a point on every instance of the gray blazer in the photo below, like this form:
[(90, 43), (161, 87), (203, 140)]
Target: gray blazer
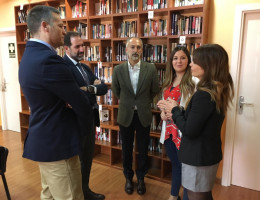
[(147, 88)]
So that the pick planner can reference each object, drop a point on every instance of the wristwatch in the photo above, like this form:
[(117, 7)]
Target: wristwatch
[(91, 89)]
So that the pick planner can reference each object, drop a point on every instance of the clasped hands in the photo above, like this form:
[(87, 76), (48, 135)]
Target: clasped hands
[(166, 107)]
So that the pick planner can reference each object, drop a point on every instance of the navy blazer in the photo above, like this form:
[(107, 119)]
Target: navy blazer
[(101, 88), (201, 126), (48, 86)]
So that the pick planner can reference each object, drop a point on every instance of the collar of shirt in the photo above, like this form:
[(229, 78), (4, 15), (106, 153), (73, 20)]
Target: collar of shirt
[(136, 66), (44, 43), (72, 60)]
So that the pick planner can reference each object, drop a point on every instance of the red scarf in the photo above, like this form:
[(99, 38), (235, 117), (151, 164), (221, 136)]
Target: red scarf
[(171, 128)]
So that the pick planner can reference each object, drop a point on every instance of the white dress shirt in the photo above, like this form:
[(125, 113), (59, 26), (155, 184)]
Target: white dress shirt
[(134, 74)]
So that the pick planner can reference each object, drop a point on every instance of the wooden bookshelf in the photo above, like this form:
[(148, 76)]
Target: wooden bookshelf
[(107, 33)]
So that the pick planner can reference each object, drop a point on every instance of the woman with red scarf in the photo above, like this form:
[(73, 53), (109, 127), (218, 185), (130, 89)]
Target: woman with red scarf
[(178, 85)]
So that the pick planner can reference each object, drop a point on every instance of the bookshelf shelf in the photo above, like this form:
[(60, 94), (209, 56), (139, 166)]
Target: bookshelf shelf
[(102, 143), (102, 159), (154, 154), (118, 146), (110, 50)]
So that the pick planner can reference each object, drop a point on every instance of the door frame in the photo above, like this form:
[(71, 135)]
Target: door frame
[(235, 69), (4, 32)]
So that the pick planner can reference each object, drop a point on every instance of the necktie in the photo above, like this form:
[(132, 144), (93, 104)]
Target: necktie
[(83, 73)]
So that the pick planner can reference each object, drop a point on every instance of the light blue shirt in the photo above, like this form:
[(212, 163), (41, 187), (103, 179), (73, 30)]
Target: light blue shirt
[(134, 74), (42, 42)]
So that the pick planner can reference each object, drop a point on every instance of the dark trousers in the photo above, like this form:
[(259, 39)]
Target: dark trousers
[(172, 153), (142, 141), (86, 157)]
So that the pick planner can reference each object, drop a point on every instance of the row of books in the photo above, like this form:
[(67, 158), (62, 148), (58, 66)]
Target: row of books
[(108, 54), (82, 29), (22, 14), (186, 24), (103, 134), (103, 7), (155, 145), (121, 53), (155, 27), (92, 53), (161, 75), (191, 46), (179, 3), (127, 29), (116, 140), (108, 97), (103, 73), (79, 10), (27, 35), (155, 53), (151, 53), (62, 10), (154, 4), (101, 31), (123, 6)]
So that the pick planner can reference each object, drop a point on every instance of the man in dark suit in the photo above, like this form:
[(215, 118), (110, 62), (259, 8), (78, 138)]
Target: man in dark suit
[(135, 83), (92, 86), (59, 111)]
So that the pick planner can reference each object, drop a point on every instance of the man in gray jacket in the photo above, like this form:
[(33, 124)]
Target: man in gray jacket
[(135, 83)]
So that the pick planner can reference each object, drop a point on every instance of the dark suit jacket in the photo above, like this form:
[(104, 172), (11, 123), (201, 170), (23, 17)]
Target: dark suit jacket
[(147, 88), (201, 127), (101, 88), (48, 85)]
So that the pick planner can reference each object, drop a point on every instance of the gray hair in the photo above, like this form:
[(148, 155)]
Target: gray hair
[(38, 14), (128, 40)]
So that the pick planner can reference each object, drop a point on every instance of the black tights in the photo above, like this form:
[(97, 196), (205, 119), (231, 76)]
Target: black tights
[(199, 195)]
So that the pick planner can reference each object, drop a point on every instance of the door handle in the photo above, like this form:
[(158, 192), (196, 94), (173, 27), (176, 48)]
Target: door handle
[(242, 103)]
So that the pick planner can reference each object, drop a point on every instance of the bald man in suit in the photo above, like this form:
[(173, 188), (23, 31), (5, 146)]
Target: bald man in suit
[(135, 83)]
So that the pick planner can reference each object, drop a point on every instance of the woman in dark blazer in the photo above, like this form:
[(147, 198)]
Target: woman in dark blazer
[(200, 123)]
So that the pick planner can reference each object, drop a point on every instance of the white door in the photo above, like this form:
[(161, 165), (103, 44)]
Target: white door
[(9, 97), (246, 155)]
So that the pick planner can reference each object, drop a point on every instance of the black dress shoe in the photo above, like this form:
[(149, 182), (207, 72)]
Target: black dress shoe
[(129, 187), (141, 189), (93, 196)]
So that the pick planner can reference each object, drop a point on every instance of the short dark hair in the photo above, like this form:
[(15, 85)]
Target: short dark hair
[(38, 14), (68, 36)]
